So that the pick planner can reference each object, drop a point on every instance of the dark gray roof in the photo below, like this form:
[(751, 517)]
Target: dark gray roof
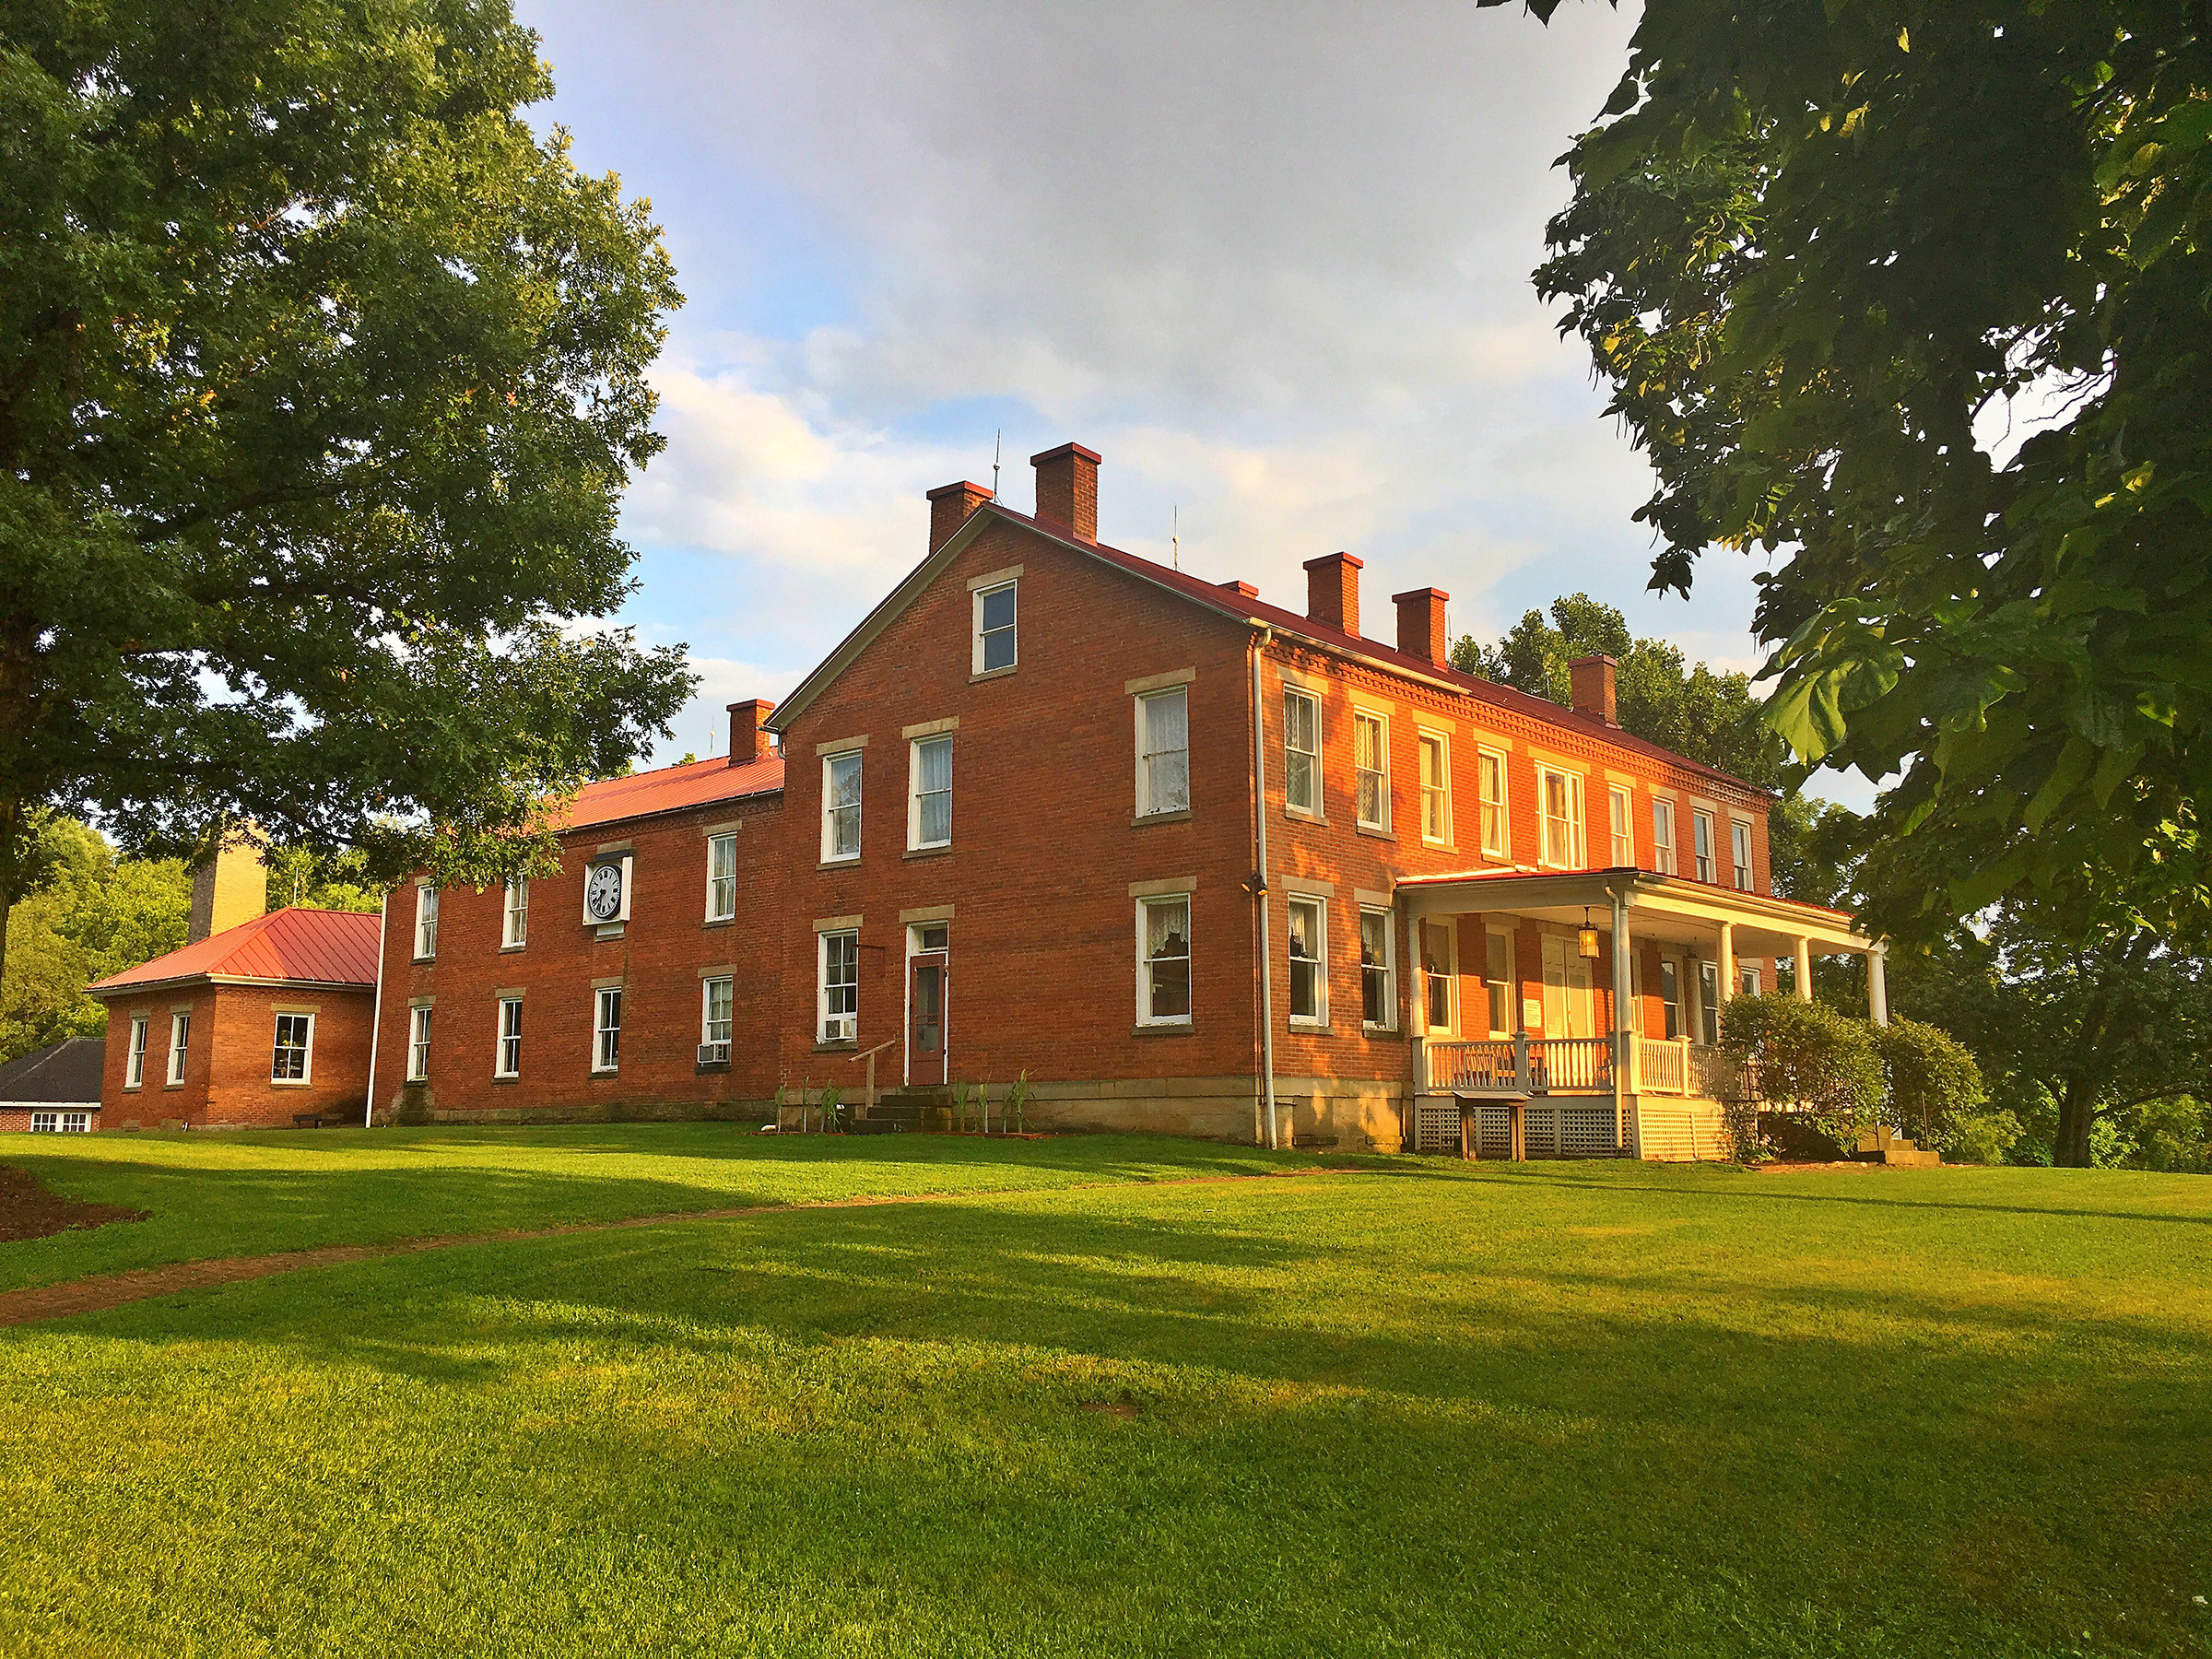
[(65, 1075)]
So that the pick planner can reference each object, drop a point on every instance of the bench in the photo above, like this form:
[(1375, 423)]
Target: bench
[(315, 1120)]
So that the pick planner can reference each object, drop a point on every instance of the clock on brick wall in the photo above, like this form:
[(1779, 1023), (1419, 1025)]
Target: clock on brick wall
[(606, 891)]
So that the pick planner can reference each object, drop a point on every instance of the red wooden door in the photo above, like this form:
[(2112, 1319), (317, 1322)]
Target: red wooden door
[(925, 1018)]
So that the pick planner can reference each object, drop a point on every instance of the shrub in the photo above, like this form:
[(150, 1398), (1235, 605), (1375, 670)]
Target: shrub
[(1977, 1138), (1806, 1057), (1932, 1078)]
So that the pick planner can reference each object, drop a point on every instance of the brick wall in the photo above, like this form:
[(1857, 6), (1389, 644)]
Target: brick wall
[(228, 1061)]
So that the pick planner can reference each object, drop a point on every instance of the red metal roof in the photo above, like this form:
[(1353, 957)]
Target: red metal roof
[(672, 788), (317, 946)]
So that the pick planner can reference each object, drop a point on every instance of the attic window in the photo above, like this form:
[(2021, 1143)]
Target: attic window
[(995, 644)]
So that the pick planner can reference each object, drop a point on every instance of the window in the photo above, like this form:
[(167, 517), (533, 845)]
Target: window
[(418, 1042), (1163, 752), (1371, 769), (929, 810), (1309, 962), (1163, 961), (840, 807), (1739, 844), (180, 1041), (514, 922), (721, 877), (1301, 752), (1700, 828), (425, 923), (295, 1043), (1378, 996), (1624, 839), (1670, 996), (133, 1062), (840, 992), (1490, 787), (1663, 836), (1749, 979), (507, 1059), (1709, 1002), (1436, 974), (715, 1001), (607, 1030), (61, 1123), (1497, 975), (1436, 788), (995, 630), (1559, 794)]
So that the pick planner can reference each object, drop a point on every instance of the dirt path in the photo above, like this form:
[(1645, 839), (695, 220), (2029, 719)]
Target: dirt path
[(98, 1292)]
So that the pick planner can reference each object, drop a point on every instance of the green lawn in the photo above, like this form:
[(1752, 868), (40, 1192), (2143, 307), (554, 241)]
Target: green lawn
[(1434, 1410)]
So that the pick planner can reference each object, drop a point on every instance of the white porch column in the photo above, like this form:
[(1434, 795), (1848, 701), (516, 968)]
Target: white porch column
[(1877, 984), (1624, 1020), (1727, 960), (1804, 975)]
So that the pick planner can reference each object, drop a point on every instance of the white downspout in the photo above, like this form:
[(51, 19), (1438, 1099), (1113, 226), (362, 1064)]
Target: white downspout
[(376, 1008), (1259, 897)]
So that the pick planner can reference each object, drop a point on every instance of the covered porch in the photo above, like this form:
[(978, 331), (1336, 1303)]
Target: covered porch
[(1576, 1014)]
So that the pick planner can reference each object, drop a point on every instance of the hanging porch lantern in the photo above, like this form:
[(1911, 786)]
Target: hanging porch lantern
[(1586, 938)]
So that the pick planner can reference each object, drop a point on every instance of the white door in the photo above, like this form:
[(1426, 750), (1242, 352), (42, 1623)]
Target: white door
[(1569, 1010)]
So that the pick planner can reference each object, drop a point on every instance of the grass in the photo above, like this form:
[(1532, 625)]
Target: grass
[(1594, 1410)]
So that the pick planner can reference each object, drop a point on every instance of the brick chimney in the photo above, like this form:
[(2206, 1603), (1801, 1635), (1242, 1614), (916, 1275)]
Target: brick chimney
[(1332, 591), (229, 889), (745, 739), (1590, 687), (1421, 624), (949, 505), (1067, 489), (1243, 590)]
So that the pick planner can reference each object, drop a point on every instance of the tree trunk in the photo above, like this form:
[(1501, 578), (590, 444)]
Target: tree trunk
[(11, 871), (2076, 1112)]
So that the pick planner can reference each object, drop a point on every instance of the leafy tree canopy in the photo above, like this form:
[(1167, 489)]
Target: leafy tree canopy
[(1819, 249), (320, 374)]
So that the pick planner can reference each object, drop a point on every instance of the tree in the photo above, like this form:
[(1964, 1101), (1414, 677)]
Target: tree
[(309, 877), (321, 375), (1816, 250)]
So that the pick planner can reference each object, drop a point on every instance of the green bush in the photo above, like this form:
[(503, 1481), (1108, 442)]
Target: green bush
[(1806, 1057), (1932, 1078), (1977, 1138)]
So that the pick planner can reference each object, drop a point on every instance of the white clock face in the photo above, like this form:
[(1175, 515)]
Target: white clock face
[(602, 892)]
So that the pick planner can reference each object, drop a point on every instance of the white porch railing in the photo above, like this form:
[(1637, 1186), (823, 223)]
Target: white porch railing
[(1523, 1066), (1664, 1066)]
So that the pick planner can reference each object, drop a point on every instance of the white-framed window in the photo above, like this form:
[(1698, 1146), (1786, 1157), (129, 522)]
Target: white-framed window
[(1700, 832), (292, 1058), (425, 923), (1560, 799), (838, 961), (1663, 836), (1709, 1003), (1301, 752), (134, 1059), (840, 807), (607, 1029), (418, 1042), (1747, 978), (1739, 846), (929, 793), (1624, 839), (1498, 979), (721, 877), (1378, 987), (1371, 769), (1436, 788), (1163, 751), (1309, 961), (717, 1000), (1489, 788), (180, 1045), (1670, 996), (1437, 979), (58, 1121), (994, 638), (507, 1057), (1163, 961), (514, 916)]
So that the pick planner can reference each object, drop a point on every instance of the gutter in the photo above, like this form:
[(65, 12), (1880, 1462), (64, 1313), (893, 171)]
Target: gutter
[(1260, 642), (376, 1009)]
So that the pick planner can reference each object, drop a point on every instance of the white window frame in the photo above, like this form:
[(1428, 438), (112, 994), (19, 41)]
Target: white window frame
[(915, 795), (722, 885), (1702, 850), (1445, 978), (307, 1050), (1436, 798), (1748, 978), (1311, 805), (1142, 702), (1620, 805), (1385, 972), (55, 1120), (1364, 721), (1500, 994), (606, 1032), (1012, 630), (46, 1122), (507, 1042), (180, 1047), (418, 1041), (1662, 835), (133, 1054), (426, 922), (848, 1028), (1739, 852), (1674, 1005), (514, 914), (1317, 1018), (1709, 1001), (706, 1009), (830, 810), (1144, 906), (77, 1123), (1553, 828), (1490, 792)]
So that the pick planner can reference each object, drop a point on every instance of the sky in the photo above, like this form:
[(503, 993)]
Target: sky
[(1271, 262)]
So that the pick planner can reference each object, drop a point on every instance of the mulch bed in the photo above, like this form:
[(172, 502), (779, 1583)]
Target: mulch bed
[(29, 1211)]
